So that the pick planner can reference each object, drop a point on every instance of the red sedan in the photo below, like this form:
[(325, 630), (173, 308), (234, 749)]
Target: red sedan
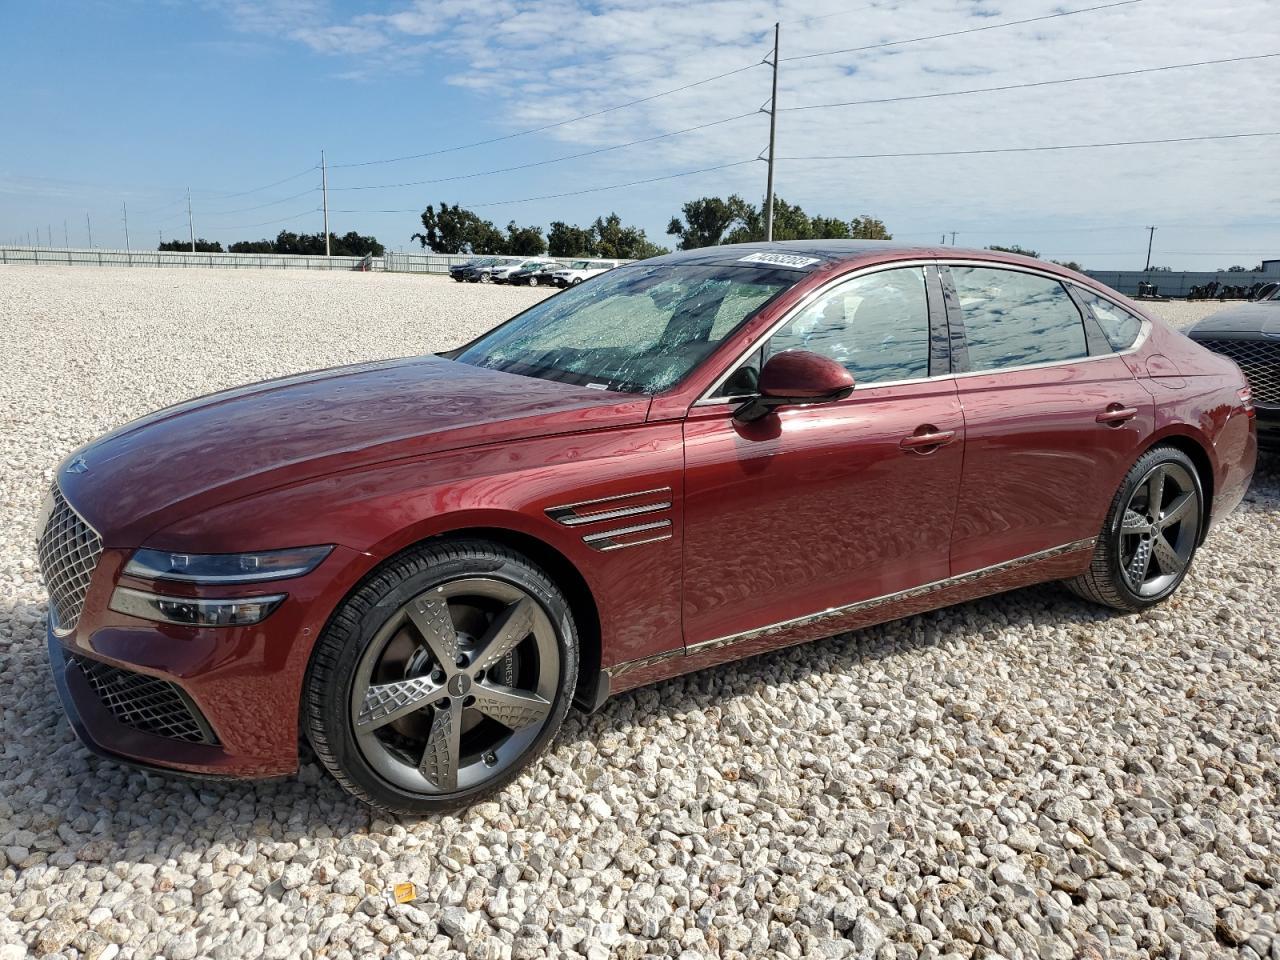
[(422, 563)]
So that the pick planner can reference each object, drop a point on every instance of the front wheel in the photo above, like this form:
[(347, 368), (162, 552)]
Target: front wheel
[(446, 673), (533, 281), (1150, 535)]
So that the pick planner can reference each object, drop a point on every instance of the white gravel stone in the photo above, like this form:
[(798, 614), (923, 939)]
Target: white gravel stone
[(1025, 776)]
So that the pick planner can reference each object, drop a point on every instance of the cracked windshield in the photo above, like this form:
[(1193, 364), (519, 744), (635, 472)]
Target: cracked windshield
[(637, 329)]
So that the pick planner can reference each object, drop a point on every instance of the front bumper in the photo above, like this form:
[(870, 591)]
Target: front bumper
[(241, 684), (99, 730)]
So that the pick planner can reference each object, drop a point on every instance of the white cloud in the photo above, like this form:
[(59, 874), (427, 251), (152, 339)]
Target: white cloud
[(559, 58)]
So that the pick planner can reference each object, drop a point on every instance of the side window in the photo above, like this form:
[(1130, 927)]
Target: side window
[(1012, 319), (1119, 325), (876, 325)]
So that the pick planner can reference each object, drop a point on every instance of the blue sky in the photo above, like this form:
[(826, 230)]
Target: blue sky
[(132, 102)]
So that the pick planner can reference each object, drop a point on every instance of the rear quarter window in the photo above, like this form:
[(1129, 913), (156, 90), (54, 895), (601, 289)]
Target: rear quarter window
[(1120, 327)]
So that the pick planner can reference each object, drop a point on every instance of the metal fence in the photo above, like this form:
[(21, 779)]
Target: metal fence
[(398, 262), (173, 258), (1174, 283)]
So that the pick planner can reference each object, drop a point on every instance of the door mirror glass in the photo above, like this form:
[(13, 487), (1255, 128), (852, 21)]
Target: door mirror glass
[(797, 377)]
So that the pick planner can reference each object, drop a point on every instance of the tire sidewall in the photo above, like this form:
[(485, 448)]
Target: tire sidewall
[(335, 682), (1132, 480)]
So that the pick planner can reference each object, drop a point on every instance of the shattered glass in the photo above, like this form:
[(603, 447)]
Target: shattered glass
[(636, 329)]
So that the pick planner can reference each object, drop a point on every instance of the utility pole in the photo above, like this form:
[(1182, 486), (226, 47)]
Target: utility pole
[(953, 238), (89, 225), (324, 195), (48, 234), (66, 233), (125, 207), (191, 226), (773, 135), (1151, 238)]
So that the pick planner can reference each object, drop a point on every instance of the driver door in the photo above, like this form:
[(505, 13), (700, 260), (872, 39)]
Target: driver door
[(817, 507)]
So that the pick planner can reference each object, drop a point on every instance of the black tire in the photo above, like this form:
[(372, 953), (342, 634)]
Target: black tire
[(1106, 581), (331, 679), (576, 281)]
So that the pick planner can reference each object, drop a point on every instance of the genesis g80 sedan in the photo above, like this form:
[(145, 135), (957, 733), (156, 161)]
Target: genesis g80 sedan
[(422, 564)]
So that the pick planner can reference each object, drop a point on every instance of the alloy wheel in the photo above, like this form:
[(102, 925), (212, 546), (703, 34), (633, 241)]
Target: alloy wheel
[(455, 686), (1159, 528)]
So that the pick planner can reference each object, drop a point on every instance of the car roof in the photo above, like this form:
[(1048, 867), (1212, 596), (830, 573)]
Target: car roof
[(807, 255)]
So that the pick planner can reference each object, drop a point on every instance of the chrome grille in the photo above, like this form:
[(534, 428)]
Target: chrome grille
[(1260, 361), (69, 550), (145, 703)]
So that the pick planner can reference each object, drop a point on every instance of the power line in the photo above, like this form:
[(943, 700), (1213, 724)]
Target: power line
[(260, 206), (1036, 83), (542, 163), (1061, 146), (576, 193), (960, 33), (266, 223), (561, 123), (267, 186), (838, 13)]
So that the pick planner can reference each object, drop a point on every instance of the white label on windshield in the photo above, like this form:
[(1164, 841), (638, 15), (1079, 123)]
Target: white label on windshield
[(780, 259)]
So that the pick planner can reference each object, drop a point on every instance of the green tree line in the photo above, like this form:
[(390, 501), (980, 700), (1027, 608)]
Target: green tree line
[(706, 221)]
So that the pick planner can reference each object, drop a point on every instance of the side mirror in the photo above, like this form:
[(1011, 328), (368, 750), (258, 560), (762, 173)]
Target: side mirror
[(796, 377)]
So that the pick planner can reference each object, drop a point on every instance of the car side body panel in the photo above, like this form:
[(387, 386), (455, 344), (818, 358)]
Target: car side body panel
[(1039, 469)]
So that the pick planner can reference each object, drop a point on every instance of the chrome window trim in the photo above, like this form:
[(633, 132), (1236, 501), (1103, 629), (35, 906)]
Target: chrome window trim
[(707, 399)]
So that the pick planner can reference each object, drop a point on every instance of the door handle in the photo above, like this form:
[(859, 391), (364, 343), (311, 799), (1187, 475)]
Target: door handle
[(1115, 414), (926, 439)]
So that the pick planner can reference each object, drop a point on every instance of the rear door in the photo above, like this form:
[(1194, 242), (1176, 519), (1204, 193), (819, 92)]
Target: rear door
[(1053, 417)]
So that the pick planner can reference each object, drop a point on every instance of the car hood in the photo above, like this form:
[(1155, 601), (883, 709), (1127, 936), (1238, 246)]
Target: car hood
[(165, 466), (1247, 318)]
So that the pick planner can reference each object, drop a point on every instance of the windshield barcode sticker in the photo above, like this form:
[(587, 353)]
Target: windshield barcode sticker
[(780, 259)]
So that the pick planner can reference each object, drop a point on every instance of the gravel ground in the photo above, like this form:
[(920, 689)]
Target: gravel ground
[(1025, 776)]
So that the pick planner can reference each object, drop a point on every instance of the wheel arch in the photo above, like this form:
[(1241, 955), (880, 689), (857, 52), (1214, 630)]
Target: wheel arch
[(1195, 448), (562, 570)]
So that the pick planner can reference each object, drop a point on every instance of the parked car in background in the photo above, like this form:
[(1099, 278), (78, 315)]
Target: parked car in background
[(580, 270), (482, 270), (458, 271), (533, 276), (502, 272), (1250, 335), (420, 563)]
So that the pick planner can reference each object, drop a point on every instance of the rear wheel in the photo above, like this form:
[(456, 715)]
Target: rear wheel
[(533, 281), (442, 677), (1150, 535)]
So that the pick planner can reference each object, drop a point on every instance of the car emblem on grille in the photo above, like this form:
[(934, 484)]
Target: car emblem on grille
[(78, 465)]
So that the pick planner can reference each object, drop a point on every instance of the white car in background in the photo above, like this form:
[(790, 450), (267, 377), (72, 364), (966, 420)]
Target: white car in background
[(580, 270)]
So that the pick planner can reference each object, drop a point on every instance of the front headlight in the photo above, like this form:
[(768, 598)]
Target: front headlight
[(194, 611), (217, 568)]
